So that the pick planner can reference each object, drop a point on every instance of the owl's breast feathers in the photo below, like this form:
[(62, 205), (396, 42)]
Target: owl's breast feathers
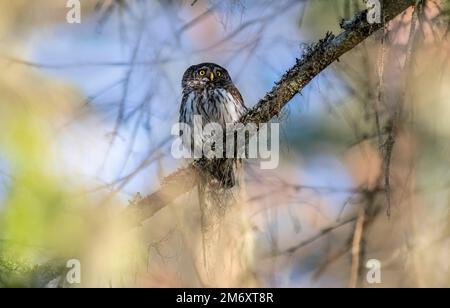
[(222, 105)]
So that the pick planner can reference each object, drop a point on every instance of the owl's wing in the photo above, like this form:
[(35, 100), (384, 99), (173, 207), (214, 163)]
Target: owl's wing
[(237, 96), (184, 116), (241, 108), (182, 113)]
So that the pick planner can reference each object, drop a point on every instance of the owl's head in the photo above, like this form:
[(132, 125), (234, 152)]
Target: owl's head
[(204, 74)]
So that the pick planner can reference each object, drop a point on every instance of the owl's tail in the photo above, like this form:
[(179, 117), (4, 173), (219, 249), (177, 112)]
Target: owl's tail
[(218, 192), (229, 174), (223, 174)]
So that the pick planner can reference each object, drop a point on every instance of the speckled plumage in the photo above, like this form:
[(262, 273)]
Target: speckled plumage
[(209, 92)]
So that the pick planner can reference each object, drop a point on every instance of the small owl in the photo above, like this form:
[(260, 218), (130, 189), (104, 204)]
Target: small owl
[(209, 92)]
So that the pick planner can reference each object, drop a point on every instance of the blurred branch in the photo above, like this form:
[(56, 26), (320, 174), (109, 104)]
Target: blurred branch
[(317, 57), (321, 234), (173, 186), (357, 249), (78, 65), (392, 125)]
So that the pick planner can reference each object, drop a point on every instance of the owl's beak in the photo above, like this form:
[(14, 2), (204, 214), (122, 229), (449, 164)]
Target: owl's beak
[(211, 76)]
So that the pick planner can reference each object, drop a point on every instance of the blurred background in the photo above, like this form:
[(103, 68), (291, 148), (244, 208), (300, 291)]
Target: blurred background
[(85, 116)]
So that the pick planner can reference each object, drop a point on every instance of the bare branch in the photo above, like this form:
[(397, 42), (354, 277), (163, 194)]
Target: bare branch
[(357, 249), (321, 234)]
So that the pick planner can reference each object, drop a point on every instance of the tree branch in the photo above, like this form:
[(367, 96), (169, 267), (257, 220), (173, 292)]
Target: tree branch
[(316, 58)]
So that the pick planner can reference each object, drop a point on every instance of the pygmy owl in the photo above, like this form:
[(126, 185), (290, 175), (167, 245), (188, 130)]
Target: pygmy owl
[(209, 92)]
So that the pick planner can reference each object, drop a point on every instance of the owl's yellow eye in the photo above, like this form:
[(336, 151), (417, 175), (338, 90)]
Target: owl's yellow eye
[(219, 74), (202, 72)]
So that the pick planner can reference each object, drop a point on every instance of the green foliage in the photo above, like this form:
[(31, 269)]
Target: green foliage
[(14, 273)]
